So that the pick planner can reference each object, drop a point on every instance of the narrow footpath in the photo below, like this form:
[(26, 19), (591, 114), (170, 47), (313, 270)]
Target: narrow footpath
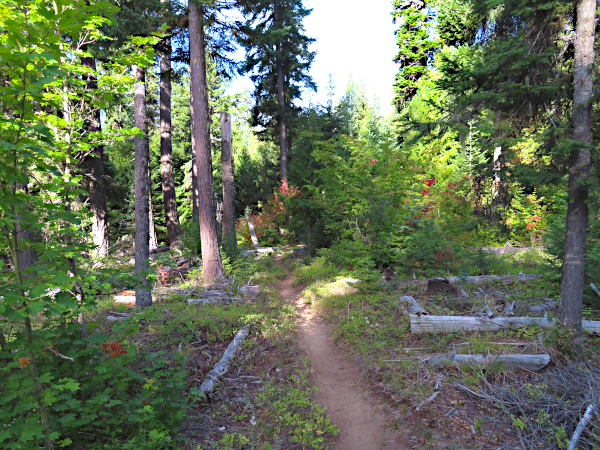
[(360, 418)]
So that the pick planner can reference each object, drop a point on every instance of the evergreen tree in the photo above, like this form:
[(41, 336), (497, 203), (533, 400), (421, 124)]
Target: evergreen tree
[(212, 267), (278, 60), (415, 47)]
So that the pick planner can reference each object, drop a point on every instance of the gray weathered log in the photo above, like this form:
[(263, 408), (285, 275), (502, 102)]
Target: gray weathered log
[(509, 308), (429, 400), (259, 250), (504, 279), (249, 290), (411, 306), (116, 318), (447, 324), (222, 366), (160, 250), (543, 307), (253, 235), (596, 290), (529, 362), (204, 301), (589, 412)]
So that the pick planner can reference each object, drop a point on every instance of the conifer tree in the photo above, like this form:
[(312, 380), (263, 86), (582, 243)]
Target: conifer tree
[(415, 47), (143, 295), (166, 148), (278, 60), (573, 270), (212, 267)]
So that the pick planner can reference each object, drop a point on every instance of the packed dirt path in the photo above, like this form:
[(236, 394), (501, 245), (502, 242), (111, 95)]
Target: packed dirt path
[(360, 418)]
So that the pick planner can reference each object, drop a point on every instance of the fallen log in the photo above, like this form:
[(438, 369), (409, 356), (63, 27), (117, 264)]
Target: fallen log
[(253, 234), (259, 250), (249, 290), (544, 307), (204, 301), (509, 308), (503, 279), (587, 417), (447, 324), (529, 362), (411, 306), (159, 250), (222, 366)]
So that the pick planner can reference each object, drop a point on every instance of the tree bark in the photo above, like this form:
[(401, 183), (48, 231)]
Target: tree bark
[(153, 239), (229, 239), (143, 295), (280, 101), (95, 169), (166, 151), (26, 254), (212, 267), (573, 271)]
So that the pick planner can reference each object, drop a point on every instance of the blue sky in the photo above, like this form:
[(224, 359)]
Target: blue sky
[(352, 38)]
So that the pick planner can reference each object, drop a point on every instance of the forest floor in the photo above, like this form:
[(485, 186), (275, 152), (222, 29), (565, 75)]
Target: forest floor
[(361, 418), (330, 362)]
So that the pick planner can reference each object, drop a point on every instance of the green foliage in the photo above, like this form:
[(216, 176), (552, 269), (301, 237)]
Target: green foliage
[(320, 269), (56, 384), (292, 407), (415, 46), (554, 241), (270, 42), (96, 400)]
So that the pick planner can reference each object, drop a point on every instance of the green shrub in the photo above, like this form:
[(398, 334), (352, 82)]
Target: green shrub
[(108, 396)]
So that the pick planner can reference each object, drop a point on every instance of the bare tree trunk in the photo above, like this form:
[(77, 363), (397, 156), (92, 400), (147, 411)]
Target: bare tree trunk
[(26, 255), (153, 241), (143, 295), (280, 102), (573, 271), (166, 152), (95, 170), (229, 239), (200, 122)]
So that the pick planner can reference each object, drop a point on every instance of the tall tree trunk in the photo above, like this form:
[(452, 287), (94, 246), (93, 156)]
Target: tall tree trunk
[(143, 295), (200, 122), (280, 101), (573, 271), (26, 255), (166, 152), (95, 169), (229, 239), (153, 239)]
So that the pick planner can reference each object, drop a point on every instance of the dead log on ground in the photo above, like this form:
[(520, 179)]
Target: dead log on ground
[(253, 234), (447, 324), (222, 366), (503, 279), (543, 307), (204, 301), (509, 308), (249, 290), (160, 250), (411, 306), (529, 362)]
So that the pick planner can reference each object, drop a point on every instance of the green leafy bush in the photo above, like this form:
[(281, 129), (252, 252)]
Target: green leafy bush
[(99, 394)]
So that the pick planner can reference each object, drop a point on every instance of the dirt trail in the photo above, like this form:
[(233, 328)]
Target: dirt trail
[(361, 419)]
